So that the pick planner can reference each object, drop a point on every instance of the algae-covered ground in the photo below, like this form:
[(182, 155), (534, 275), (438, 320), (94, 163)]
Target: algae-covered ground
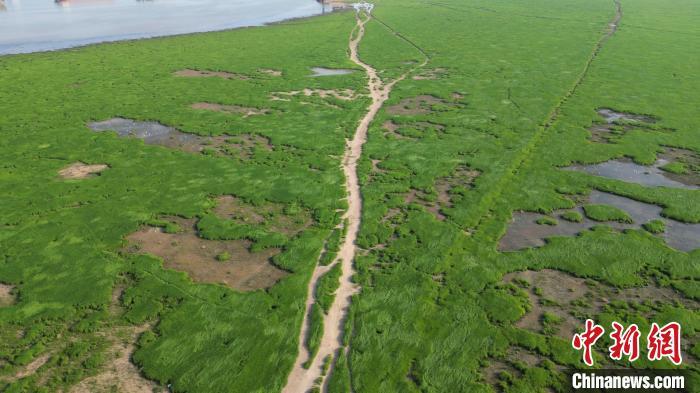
[(165, 202)]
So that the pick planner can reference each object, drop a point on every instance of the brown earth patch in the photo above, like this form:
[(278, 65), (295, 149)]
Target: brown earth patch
[(492, 373), (81, 170), (120, 374), (7, 297), (691, 161), (418, 105), (392, 130), (232, 109), (32, 367), (432, 74), (341, 94), (189, 73), (616, 124), (268, 215), (185, 251), (446, 188), (242, 146), (270, 71), (375, 166), (572, 299)]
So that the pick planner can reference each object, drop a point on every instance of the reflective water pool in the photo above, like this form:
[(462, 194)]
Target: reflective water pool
[(39, 25)]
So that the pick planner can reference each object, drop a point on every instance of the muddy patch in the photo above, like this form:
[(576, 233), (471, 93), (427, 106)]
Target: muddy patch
[(190, 73), (270, 71), (681, 165), (322, 71), (81, 170), (120, 374), (340, 94), (202, 259), (419, 105), (528, 230), (616, 124), (7, 295), (446, 190), (153, 133), (431, 74), (230, 109), (273, 216), (628, 171), (561, 302)]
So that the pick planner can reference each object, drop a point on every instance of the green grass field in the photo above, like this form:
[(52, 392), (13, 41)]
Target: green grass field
[(513, 88)]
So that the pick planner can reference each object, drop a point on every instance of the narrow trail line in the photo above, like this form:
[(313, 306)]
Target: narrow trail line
[(523, 156), (300, 379)]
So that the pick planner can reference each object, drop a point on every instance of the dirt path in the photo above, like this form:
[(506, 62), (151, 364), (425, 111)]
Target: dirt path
[(302, 380)]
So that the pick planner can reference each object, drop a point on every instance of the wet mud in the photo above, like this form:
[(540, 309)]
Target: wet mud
[(524, 231)]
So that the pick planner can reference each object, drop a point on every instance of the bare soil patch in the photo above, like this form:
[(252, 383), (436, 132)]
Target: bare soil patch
[(270, 71), (269, 215), (572, 299), (120, 374), (81, 170), (341, 94), (189, 73), (419, 105), (431, 74), (616, 124), (185, 251), (242, 146), (446, 189), (32, 367), (232, 109), (7, 297), (689, 159)]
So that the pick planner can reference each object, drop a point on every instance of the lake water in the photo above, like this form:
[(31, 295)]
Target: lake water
[(39, 25)]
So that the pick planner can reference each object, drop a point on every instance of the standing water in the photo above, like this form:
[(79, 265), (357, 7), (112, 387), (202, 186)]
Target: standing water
[(40, 25)]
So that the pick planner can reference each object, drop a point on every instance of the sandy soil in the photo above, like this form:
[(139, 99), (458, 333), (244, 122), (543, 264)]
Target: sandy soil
[(300, 379), (6, 297), (120, 373), (80, 170)]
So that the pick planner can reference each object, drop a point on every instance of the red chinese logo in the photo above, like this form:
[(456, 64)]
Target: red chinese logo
[(587, 339), (662, 342), (625, 342), (665, 342)]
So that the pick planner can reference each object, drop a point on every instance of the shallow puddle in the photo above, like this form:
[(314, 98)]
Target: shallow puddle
[(321, 71), (525, 232), (152, 133), (612, 116), (631, 172)]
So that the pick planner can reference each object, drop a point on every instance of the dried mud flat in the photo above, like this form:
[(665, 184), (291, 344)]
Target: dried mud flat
[(120, 374), (572, 299), (269, 215), (7, 297), (81, 170), (190, 73), (200, 258), (340, 94), (419, 105), (230, 109), (524, 231), (461, 180)]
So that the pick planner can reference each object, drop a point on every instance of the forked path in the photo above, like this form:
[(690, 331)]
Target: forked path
[(300, 379)]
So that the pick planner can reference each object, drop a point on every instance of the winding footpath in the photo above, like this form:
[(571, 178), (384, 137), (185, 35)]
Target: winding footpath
[(300, 379)]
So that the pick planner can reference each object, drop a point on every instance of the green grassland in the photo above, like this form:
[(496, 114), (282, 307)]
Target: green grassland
[(517, 86)]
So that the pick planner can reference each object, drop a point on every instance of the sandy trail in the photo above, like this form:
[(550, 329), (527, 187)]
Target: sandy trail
[(302, 380)]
